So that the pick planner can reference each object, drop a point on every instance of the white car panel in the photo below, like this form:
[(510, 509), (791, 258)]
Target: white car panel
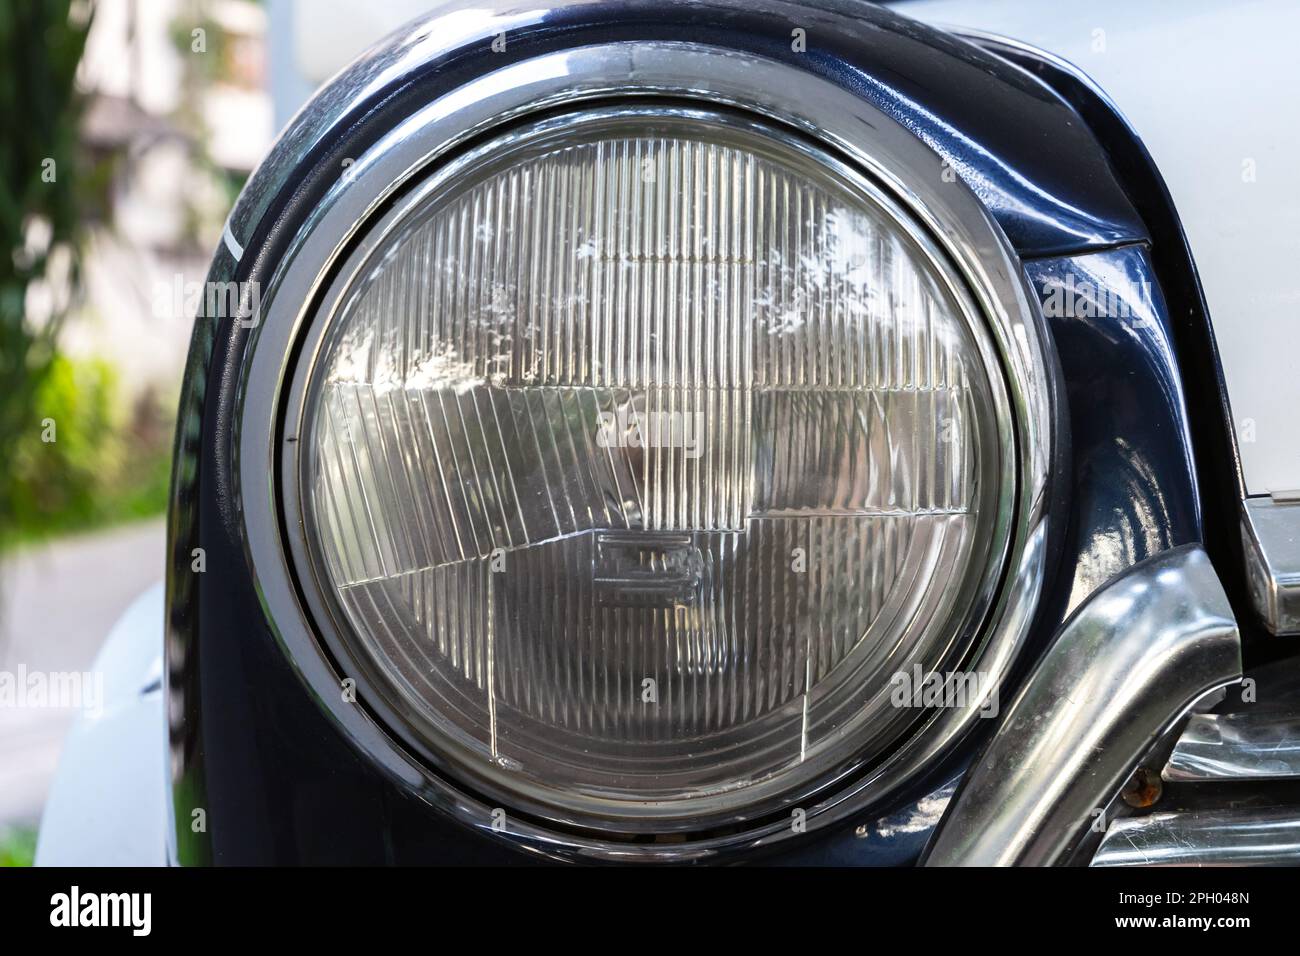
[(1212, 88), (108, 803)]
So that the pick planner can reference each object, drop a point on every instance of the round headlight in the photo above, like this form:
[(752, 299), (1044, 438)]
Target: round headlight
[(640, 449)]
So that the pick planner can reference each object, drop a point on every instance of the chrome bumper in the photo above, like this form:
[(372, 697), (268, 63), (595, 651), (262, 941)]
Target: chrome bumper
[(1122, 673), (1210, 838), (1231, 785)]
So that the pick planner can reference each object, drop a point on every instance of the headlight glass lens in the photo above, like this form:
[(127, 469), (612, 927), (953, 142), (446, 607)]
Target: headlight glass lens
[(639, 454)]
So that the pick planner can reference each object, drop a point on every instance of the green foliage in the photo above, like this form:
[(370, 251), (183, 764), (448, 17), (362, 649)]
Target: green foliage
[(56, 479), (17, 846), (104, 464), (41, 43)]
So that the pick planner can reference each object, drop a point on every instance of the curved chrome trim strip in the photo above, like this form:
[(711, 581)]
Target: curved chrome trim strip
[(1218, 838), (231, 242), (883, 148), (1123, 670)]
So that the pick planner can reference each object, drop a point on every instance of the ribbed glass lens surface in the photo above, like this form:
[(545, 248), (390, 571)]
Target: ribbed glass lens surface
[(640, 455)]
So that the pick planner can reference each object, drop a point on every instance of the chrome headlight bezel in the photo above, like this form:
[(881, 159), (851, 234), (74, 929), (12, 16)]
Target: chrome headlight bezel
[(901, 166), (403, 715)]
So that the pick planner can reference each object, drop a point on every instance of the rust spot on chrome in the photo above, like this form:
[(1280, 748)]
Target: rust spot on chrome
[(1143, 789)]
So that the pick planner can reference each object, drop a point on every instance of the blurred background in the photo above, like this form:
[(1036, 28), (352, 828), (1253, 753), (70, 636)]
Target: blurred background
[(130, 127)]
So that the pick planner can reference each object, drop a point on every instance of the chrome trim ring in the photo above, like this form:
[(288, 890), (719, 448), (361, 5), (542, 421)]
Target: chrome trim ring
[(314, 580), (900, 163)]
